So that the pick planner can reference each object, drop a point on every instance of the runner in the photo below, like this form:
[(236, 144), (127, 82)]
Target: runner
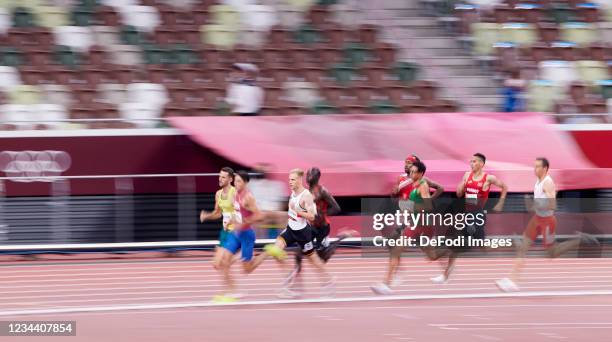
[(224, 207), (542, 223), (302, 210), (474, 187), (326, 206), (405, 185), (242, 237)]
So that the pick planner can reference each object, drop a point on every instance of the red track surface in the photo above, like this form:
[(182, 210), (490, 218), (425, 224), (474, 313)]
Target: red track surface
[(164, 299)]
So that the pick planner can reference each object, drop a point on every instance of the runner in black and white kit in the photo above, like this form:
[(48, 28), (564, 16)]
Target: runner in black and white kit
[(302, 210)]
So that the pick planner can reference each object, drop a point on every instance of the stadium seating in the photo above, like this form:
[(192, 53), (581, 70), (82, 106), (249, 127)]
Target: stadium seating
[(108, 58), (557, 46)]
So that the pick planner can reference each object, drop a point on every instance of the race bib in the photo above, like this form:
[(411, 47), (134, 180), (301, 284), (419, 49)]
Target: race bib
[(471, 198)]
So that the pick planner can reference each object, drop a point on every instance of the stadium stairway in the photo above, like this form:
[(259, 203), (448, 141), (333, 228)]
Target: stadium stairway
[(423, 40)]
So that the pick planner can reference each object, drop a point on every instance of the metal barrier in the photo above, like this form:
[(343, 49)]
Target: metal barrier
[(62, 222)]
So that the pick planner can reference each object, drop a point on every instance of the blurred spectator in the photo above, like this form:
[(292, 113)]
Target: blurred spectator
[(245, 97), (513, 92), (271, 197)]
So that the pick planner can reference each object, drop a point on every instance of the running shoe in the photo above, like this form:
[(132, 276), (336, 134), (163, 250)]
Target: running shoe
[(275, 251), (507, 285), (288, 294), (222, 299), (440, 279), (381, 289)]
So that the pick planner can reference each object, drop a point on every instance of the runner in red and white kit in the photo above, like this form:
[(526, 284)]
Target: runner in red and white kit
[(474, 188), (405, 185), (542, 223)]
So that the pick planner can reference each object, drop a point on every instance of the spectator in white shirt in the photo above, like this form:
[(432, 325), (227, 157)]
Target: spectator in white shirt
[(243, 95)]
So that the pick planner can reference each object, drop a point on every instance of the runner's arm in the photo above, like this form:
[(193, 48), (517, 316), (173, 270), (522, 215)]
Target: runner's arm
[(334, 207), (215, 214), (434, 185), (426, 195), (504, 190), (551, 194), (461, 186), (311, 210)]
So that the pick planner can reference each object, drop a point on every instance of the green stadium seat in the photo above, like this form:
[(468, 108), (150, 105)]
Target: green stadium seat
[(307, 35), (542, 95), (606, 88), (11, 57), (23, 17), (562, 13), (406, 71), (182, 54), (82, 17), (592, 71), (580, 33), (65, 56), (356, 53), (154, 54), (343, 73), (323, 107), (383, 107), (89, 5), (327, 2), (485, 36), (130, 35)]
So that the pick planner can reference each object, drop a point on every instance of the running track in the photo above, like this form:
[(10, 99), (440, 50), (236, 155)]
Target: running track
[(169, 299)]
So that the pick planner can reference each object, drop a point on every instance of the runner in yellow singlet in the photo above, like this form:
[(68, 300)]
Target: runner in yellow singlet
[(224, 207)]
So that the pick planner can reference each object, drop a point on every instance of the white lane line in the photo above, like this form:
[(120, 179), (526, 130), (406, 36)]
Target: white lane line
[(259, 291), (331, 268), (336, 259), (246, 283), (256, 275), (529, 328), (318, 300), (266, 290), (517, 323), (347, 308), (553, 335), (487, 337)]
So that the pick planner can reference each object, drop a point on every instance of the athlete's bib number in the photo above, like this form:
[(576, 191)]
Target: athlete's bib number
[(308, 247), (471, 198)]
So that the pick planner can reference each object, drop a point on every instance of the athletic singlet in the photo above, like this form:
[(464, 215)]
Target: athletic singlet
[(475, 196), (242, 212), (296, 222), (226, 203), (322, 205), (540, 200), (415, 194), (404, 186)]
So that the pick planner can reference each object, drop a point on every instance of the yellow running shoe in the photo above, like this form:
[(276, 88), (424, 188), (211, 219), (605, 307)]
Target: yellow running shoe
[(275, 251), (220, 299)]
